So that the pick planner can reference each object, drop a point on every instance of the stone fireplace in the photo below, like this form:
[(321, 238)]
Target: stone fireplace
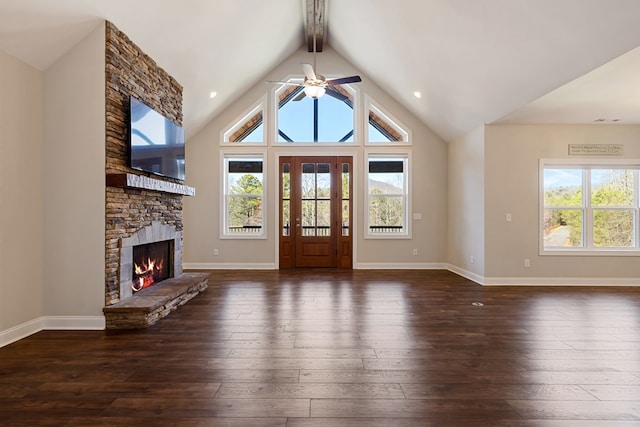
[(141, 208), (154, 233)]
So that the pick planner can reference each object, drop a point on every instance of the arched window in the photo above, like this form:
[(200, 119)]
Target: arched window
[(328, 119), (249, 129), (382, 129)]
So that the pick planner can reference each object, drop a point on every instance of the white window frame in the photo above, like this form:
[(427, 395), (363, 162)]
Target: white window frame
[(225, 156), (405, 156), (239, 121), (371, 105), (588, 248)]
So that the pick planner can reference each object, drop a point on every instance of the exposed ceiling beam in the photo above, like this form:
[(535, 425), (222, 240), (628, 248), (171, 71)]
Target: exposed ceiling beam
[(315, 24)]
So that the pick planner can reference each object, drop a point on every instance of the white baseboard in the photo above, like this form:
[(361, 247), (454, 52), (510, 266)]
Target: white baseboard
[(80, 323), (560, 281), (18, 332), (466, 274), (228, 266), (400, 266)]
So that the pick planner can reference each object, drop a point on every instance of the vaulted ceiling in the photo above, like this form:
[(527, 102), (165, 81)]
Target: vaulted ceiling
[(474, 62)]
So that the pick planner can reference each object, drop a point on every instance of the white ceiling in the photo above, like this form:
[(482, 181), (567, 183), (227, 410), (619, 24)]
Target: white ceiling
[(475, 61)]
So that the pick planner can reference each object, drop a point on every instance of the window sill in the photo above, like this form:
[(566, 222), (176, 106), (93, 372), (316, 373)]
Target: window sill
[(583, 253), (244, 237), (387, 237)]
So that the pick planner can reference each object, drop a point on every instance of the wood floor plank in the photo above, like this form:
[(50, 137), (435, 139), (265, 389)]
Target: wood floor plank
[(578, 410), (213, 408), (382, 408), (490, 391), (175, 422), (311, 391)]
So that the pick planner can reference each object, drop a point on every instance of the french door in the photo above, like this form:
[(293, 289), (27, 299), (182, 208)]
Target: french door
[(316, 212)]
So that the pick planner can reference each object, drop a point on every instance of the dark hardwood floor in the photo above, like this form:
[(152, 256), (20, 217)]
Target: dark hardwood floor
[(343, 348)]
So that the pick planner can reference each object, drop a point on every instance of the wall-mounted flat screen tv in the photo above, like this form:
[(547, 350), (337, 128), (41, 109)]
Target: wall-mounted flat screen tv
[(156, 144)]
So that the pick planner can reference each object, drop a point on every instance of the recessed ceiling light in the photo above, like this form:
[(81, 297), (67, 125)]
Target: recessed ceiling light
[(213, 94), (417, 94)]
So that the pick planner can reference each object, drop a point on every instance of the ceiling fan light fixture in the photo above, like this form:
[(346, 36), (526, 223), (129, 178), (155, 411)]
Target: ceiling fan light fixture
[(314, 91)]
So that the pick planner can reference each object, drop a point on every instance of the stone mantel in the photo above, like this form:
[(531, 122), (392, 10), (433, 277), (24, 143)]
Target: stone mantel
[(130, 180)]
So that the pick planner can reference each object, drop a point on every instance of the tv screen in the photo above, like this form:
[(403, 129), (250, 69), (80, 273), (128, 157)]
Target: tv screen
[(156, 144)]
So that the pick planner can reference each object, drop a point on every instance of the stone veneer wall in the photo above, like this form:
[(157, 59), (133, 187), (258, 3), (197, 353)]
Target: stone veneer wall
[(129, 71)]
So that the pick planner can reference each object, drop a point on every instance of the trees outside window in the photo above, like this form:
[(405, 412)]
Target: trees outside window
[(243, 197), (590, 208), (387, 195)]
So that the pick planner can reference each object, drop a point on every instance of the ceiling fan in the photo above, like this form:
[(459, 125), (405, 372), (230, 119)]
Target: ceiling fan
[(315, 85)]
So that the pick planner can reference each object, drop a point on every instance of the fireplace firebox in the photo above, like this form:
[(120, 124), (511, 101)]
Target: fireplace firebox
[(152, 263), (171, 263)]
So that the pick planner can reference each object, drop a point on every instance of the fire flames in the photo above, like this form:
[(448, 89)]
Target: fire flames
[(145, 274)]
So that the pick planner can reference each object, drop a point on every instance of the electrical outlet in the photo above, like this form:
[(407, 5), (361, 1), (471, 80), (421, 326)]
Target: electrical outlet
[(527, 263), (216, 252), (507, 217), (415, 252), (472, 260)]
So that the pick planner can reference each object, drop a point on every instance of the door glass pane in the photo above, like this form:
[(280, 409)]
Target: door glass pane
[(316, 199), (286, 181), (345, 199), (345, 217), (286, 199), (308, 220), (324, 217), (323, 181), (308, 181), (286, 218)]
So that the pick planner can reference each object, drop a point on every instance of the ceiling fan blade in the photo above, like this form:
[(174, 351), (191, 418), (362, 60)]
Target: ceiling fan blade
[(344, 80), (285, 83), (334, 93), (308, 72)]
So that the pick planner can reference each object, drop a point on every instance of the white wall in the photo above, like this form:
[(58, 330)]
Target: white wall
[(74, 186), (465, 248), (21, 191), (512, 185), (429, 178)]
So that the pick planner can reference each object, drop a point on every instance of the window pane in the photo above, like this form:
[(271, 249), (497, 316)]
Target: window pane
[(386, 176), (244, 214), (612, 187), (386, 213), (563, 227), (387, 195), (613, 228), (563, 187), (244, 196), (326, 119)]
